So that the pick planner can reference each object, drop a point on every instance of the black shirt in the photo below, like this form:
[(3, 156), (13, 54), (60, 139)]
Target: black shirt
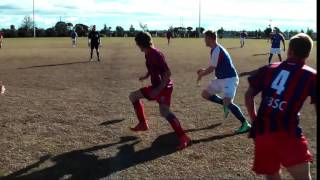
[(94, 36)]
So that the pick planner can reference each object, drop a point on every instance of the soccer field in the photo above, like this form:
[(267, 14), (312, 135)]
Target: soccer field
[(65, 117)]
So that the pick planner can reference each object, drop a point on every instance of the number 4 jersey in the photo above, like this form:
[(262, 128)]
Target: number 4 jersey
[(284, 86)]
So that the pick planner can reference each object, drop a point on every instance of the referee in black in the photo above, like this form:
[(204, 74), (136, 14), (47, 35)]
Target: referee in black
[(94, 41)]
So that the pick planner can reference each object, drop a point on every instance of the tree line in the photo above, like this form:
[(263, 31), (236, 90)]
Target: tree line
[(64, 29)]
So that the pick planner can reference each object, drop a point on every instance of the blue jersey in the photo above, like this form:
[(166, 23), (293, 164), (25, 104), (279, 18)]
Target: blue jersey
[(221, 60), (276, 39), (243, 34), (74, 35), (284, 86)]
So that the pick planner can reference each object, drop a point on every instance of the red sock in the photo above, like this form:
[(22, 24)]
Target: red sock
[(138, 107), (175, 124)]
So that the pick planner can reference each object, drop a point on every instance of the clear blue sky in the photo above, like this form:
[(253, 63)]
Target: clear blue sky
[(160, 14)]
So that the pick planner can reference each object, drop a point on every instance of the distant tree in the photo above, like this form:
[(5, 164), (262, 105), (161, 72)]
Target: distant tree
[(70, 26), (267, 32), (12, 32), (309, 32), (81, 29), (259, 33), (131, 31), (199, 31), (119, 31), (12, 27), (41, 32), (220, 32), (27, 23), (51, 32), (23, 32), (106, 30), (302, 31), (62, 29), (189, 30)]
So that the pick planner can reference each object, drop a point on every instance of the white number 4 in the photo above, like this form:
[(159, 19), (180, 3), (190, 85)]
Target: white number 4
[(280, 81)]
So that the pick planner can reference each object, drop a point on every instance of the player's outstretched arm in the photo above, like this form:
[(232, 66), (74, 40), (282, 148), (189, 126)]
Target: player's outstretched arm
[(203, 72), (249, 73)]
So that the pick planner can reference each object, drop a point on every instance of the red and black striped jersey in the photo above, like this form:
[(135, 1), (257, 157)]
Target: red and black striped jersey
[(284, 88)]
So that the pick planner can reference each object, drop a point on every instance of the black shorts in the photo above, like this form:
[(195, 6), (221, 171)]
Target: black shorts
[(94, 45)]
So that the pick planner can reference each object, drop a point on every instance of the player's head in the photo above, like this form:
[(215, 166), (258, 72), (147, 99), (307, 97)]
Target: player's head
[(210, 38), (94, 28), (300, 46), (143, 40)]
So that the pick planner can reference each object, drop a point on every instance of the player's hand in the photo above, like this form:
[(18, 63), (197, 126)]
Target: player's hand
[(200, 72)]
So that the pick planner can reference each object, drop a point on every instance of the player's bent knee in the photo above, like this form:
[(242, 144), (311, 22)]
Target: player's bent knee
[(132, 97)]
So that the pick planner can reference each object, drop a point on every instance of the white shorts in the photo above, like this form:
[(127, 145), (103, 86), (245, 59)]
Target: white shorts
[(227, 86), (242, 40), (275, 51)]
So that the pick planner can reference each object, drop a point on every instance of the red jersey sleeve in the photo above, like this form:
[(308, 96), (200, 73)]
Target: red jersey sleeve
[(313, 90)]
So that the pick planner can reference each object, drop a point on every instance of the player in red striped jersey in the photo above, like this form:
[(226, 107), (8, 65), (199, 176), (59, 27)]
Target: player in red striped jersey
[(278, 138), (160, 90)]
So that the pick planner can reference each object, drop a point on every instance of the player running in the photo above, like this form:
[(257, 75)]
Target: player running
[(2, 88), (277, 136), (94, 42), (276, 37), (74, 37), (226, 82), (243, 36), (160, 89), (1, 39), (169, 36)]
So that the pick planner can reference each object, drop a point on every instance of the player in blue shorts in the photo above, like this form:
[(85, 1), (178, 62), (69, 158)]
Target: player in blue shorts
[(276, 38), (74, 37)]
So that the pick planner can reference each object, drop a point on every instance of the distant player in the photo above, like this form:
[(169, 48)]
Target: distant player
[(1, 39), (226, 82), (243, 36), (74, 37), (160, 89), (94, 42), (276, 38), (169, 36), (2, 88), (278, 138)]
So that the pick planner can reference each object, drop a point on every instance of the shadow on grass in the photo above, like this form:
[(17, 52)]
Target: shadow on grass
[(61, 64), (230, 48), (86, 164), (114, 121), (261, 54)]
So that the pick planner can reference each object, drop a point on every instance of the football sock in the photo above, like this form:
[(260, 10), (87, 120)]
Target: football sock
[(237, 112), (138, 107), (216, 99), (175, 124)]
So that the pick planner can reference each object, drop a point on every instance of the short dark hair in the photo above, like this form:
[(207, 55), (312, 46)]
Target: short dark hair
[(211, 34), (301, 45), (143, 39)]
